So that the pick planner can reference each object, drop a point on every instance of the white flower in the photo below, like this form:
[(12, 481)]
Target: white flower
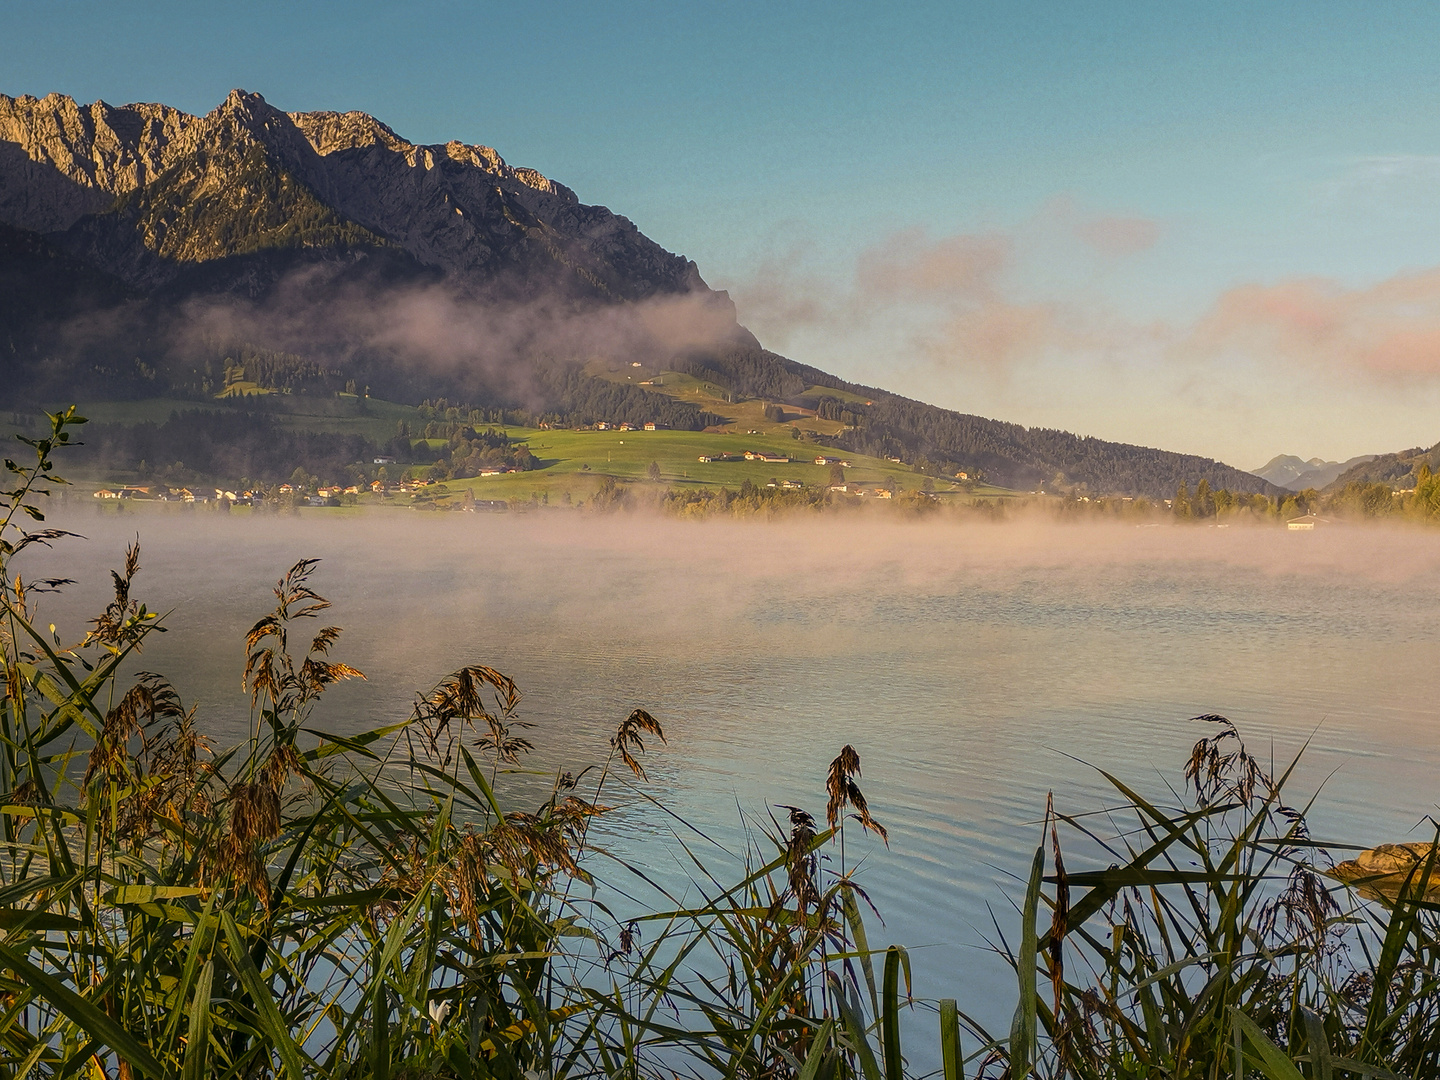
[(439, 1010)]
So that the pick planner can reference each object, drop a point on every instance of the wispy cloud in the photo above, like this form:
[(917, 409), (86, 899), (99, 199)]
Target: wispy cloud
[(1388, 329), (965, 300)]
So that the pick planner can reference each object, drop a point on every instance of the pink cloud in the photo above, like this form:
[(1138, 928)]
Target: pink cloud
[(1390, 328), (910, 266)]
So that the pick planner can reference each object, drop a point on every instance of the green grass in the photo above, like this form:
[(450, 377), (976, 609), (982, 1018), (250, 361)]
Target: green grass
[(574, 460)]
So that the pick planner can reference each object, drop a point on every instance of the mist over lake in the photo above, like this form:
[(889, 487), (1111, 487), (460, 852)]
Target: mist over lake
[(974, 668)]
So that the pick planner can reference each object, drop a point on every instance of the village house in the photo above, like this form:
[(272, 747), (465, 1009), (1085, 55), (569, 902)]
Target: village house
[(287, 489), (650, 425), (706, 458), (962, 475), (377, 486), (384, 461), (791, 485), (883, 493), (1306, 523), (627, 427), (106, 493), (774, 459), (602, 426), (352, 490), (823, 460)]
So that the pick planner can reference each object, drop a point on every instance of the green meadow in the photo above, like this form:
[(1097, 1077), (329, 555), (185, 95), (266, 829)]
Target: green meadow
[(573, 462)]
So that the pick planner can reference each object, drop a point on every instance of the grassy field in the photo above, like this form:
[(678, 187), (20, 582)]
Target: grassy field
[(574, 461)]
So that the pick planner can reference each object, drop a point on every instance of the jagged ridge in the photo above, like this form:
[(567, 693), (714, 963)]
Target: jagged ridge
[(151, 190)]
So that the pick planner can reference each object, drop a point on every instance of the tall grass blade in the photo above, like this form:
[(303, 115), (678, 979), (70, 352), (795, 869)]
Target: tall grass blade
[(197, 1048), (951, 1056), (855, 1028), (1273, 1062), (277, 1030), (1024, 1030), (890, 1018)]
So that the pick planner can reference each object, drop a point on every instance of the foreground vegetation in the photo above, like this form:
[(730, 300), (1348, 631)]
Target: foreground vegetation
[(311, 905)]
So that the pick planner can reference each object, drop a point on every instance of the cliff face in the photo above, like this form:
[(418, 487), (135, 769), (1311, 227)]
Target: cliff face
[(148, 193), (60, 161)]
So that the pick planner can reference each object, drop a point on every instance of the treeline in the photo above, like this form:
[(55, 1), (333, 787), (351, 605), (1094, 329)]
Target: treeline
[(1375, 500), (274, 370), (197, 444), (467, 453)]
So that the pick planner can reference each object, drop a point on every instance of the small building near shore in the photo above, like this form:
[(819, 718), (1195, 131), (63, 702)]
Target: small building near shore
[(1306, 523)]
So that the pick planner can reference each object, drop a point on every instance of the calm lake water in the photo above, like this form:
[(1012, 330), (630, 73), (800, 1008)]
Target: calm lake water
[(974, 668)]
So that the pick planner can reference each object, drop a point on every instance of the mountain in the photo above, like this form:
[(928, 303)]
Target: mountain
[(1288, 471), (148, 253), (153, 193), (1283, 468)]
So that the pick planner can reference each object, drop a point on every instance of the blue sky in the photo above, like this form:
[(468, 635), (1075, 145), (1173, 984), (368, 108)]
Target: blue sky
[(1212, 227)]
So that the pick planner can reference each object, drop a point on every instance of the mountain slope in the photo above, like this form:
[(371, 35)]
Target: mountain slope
[(1397, 470), (172, 244)]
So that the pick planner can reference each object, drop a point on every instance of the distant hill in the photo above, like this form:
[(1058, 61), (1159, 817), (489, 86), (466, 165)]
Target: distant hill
[(1288, 471), (148, 253), (1397, 469)]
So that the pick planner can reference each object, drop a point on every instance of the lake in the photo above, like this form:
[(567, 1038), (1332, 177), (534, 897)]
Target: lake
[(974, 668)]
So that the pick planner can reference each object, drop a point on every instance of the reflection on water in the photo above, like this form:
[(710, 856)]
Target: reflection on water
[(974, 668)]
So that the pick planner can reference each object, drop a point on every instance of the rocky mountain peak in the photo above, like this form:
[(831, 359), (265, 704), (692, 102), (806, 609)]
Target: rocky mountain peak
[(330, 132)]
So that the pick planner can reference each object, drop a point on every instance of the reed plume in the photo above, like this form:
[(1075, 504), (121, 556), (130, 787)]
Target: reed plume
[(842, 791)]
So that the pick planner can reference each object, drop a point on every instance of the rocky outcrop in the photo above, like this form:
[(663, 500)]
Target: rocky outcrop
[(1383, 871), (147, 192)]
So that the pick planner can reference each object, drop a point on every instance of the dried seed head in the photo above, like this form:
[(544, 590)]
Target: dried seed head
[(627, 742), (842, 791), (254, 812)]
